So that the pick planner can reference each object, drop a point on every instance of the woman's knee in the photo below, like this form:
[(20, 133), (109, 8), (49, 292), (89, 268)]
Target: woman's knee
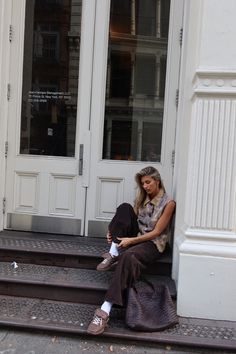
[(125, 207), (128, 259)]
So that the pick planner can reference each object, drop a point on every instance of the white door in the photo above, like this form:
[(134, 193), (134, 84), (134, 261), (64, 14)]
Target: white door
[(133, 111), (51, 52), (91, 102)]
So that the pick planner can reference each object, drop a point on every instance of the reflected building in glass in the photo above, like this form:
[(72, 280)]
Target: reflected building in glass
[(136, 72), (50, 77)]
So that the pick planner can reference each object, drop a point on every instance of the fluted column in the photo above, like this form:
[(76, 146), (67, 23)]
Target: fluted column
[(212, 165), (208, 254)]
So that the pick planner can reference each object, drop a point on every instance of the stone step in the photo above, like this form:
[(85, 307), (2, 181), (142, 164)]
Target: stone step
[(65, 251), (56, 316), (61, 283)]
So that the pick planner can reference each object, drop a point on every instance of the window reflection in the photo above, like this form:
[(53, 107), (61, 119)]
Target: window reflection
[(136, 72), (146, 17), (120, 17), (50, 77)]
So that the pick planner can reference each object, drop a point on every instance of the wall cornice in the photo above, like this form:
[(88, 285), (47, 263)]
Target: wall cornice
[(208, 249), (210, 235), (215, 82)]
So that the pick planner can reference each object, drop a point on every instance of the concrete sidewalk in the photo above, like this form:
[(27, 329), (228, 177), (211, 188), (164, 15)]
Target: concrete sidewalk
[(25, 342)]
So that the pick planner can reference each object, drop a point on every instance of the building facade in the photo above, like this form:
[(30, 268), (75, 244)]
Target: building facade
[(91, 91)]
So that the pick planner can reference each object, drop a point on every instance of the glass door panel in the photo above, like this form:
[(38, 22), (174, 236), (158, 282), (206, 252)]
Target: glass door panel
[(50, 77), (51, 48), (136, 75)]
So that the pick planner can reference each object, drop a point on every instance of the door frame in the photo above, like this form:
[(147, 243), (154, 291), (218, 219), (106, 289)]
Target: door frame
[(5, 37), (85, 137), (95, 222), (16, 45)]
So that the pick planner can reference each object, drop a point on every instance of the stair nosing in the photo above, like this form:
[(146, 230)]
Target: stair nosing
[(171, 336), (101, 246), (54, 280)]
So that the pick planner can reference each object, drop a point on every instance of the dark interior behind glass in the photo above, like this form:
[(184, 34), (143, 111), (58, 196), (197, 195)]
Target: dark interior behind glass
[(136, 74), (50, 77)]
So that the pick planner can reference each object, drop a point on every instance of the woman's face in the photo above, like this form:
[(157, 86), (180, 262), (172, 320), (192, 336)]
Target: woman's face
[(150, 185)]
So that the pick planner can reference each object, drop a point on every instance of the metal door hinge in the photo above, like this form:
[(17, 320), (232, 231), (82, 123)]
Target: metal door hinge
[(177, 98), (10, 33), (8, 92), (173, 158), (6, 149), (4, 205), (181, 36)]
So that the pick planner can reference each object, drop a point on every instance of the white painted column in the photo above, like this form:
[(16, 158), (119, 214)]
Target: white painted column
[(207, 246)]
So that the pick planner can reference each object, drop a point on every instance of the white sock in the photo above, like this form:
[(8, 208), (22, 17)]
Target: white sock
[(106, 306), (114, 249)]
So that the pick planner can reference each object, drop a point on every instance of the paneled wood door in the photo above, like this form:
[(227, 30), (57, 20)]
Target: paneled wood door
[(51, 61)]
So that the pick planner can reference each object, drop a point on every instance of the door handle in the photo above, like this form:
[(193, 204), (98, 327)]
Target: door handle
[(81, 159)]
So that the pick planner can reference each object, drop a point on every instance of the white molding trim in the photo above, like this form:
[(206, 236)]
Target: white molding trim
[(202, 72), (210, 235), (208, 249), (214, 82)]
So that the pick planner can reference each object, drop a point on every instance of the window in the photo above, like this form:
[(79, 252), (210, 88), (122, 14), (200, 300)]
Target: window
[(120, 74), (50, 78), (145, 18), (145, 74), (120, 16), (136, 74), (46, 43)]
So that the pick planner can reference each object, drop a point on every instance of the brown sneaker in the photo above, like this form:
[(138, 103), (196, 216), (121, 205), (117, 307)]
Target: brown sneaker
[(107, 263), (105, 255), (98, 323)]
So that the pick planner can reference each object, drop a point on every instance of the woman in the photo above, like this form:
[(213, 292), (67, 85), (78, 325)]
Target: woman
[(138, 237)]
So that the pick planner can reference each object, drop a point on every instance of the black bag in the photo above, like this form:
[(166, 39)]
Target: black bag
[(150, 307)]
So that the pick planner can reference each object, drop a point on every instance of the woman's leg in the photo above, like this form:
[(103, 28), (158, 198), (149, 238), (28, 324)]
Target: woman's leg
[(123, 224), (128, 269)]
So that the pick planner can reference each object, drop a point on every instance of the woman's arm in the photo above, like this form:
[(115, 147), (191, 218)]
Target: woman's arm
[(109, 237), (161, 225)]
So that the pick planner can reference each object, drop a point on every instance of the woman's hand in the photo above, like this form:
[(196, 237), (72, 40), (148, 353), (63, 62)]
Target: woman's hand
[(109, 237), (125, 241)]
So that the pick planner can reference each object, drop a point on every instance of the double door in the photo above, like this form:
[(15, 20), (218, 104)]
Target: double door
[(92, 88)]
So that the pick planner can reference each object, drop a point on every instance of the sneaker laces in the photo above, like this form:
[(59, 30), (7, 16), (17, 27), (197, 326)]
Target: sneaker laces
[(105, 261), (97, 321)]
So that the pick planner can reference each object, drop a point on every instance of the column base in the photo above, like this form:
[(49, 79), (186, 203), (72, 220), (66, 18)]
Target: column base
[(206, 282)]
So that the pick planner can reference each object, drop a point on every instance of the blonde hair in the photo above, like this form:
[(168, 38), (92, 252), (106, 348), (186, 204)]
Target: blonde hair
[(141, 194)]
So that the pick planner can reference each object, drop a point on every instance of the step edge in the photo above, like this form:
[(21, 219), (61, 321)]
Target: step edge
[(166, 259), (140, 337)]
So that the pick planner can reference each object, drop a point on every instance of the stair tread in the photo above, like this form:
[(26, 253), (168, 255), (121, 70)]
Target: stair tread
[(52, 246), (66, 277), (61, 245), (74, 318)]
